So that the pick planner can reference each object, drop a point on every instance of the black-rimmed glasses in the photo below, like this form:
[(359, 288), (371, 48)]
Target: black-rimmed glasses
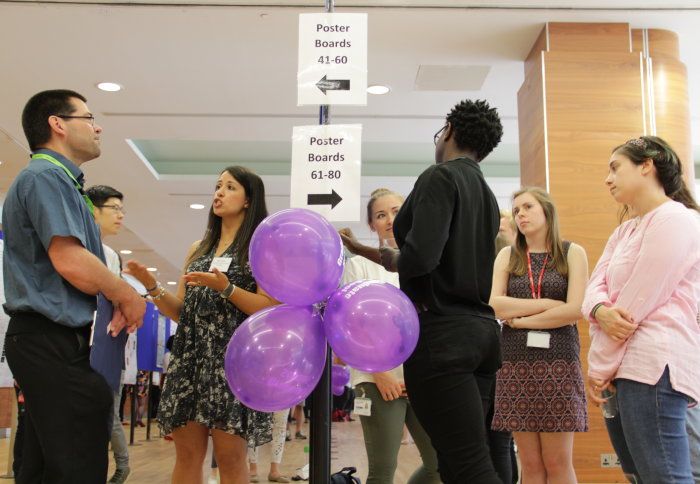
[(116, 208), (89, 117), (438, 134)]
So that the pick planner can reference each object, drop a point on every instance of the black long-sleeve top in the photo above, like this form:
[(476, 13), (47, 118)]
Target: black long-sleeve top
[(445, 231)]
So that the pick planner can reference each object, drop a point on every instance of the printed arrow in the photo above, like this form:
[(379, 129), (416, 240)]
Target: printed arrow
[(333, 85), (331, 199)]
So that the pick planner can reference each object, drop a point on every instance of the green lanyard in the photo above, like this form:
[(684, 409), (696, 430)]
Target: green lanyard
[(53, 160)]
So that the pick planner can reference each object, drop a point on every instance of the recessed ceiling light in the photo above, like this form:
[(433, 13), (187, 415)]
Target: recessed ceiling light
[(378, 89), (126, 252), (109, 86), (171, 283), (151, 269), (196, 206)]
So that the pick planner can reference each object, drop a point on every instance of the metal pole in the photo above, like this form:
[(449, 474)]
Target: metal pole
[(320, 435), (148, 406), (320, 456), (133, 412)]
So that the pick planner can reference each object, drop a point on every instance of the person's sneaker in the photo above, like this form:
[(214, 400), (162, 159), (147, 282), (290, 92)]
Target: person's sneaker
[(299, 436), (120, 475), (288, 438)]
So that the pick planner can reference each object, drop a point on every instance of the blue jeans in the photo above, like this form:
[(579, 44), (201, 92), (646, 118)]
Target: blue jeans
[(649, 434), (692, 425)]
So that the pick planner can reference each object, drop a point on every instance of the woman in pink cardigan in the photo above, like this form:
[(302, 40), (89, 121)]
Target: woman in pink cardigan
[(642, 304)]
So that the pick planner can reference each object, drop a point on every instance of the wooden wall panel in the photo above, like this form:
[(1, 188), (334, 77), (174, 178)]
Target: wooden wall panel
[(663, 43), (6, 397), (593, 98), (587, 37), (532, 125), (594, 103), (670, 80)]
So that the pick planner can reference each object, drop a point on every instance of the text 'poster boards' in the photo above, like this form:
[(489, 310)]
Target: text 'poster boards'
[(332, 59), (326, 170)]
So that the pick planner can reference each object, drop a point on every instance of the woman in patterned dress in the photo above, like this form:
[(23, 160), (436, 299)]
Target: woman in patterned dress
[(210, 303), (538, 288)]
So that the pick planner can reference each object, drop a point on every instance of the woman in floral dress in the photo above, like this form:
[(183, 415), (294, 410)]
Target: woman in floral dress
[(215, 296)]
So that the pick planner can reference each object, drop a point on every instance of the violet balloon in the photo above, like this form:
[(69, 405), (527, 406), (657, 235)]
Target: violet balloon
[(340, 376), (276, 357), (371, 325), (296, 256)]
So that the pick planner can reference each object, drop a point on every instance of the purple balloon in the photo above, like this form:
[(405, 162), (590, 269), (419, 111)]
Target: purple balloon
[(276, 357), (297, 256), (371, 325), (340, 376)]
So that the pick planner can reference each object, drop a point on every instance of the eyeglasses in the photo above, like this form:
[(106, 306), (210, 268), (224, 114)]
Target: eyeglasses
[(89, 117), (116, 208), (438, 134)]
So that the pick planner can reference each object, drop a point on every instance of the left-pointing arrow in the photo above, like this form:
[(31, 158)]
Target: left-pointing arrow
[(331, 199), (333, 84)]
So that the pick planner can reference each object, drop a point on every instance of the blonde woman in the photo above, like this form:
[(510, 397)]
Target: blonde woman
[(391, 409)]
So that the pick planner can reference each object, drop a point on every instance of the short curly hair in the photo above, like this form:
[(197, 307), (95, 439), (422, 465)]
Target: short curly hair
[(476, 126)]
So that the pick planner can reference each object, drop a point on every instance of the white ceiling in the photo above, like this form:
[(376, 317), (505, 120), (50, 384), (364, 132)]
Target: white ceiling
[(226, 71)]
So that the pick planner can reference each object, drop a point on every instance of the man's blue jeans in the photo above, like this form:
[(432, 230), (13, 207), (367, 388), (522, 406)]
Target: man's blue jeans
[(649, 432)]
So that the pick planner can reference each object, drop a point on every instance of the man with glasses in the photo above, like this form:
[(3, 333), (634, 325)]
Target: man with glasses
[(109, 213), (54, 267)]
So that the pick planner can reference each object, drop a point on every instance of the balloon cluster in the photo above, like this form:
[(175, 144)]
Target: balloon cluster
[(276, 357)]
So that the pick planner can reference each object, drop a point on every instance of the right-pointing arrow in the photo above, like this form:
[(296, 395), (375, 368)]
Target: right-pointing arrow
[(331, 199)]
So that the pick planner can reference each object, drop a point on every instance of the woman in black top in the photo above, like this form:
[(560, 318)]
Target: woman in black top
[(445, 232)]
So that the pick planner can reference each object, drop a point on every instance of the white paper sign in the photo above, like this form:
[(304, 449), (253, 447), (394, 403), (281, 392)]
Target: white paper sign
[(326, 170), (332, 59), (130, 366)]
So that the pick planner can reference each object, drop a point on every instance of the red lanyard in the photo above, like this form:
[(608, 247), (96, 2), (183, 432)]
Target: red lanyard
[(537, 295)]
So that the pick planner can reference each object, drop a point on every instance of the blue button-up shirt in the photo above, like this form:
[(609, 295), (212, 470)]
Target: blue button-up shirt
[(43, 203)]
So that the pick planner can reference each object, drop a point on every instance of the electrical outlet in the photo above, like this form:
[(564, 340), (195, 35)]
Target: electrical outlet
[(609, 460)]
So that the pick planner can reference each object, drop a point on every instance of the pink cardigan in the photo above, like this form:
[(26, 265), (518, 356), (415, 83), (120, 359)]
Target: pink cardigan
[(653, 271)]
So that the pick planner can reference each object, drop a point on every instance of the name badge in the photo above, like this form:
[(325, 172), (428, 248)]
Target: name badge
[(221, 263), (538, 339), (363, 406)]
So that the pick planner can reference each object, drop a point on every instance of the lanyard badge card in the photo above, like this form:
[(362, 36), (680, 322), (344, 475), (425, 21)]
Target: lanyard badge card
[(537, 339), (363, 406)]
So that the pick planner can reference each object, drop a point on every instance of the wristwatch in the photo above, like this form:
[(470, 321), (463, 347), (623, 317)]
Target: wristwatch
[(226, 293)]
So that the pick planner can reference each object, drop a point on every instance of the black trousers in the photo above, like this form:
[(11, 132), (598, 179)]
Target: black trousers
[(68, 405), (449, 379)]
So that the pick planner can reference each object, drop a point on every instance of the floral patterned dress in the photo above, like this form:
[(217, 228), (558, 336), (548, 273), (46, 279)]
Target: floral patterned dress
[(196, 388), (540, 390)]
